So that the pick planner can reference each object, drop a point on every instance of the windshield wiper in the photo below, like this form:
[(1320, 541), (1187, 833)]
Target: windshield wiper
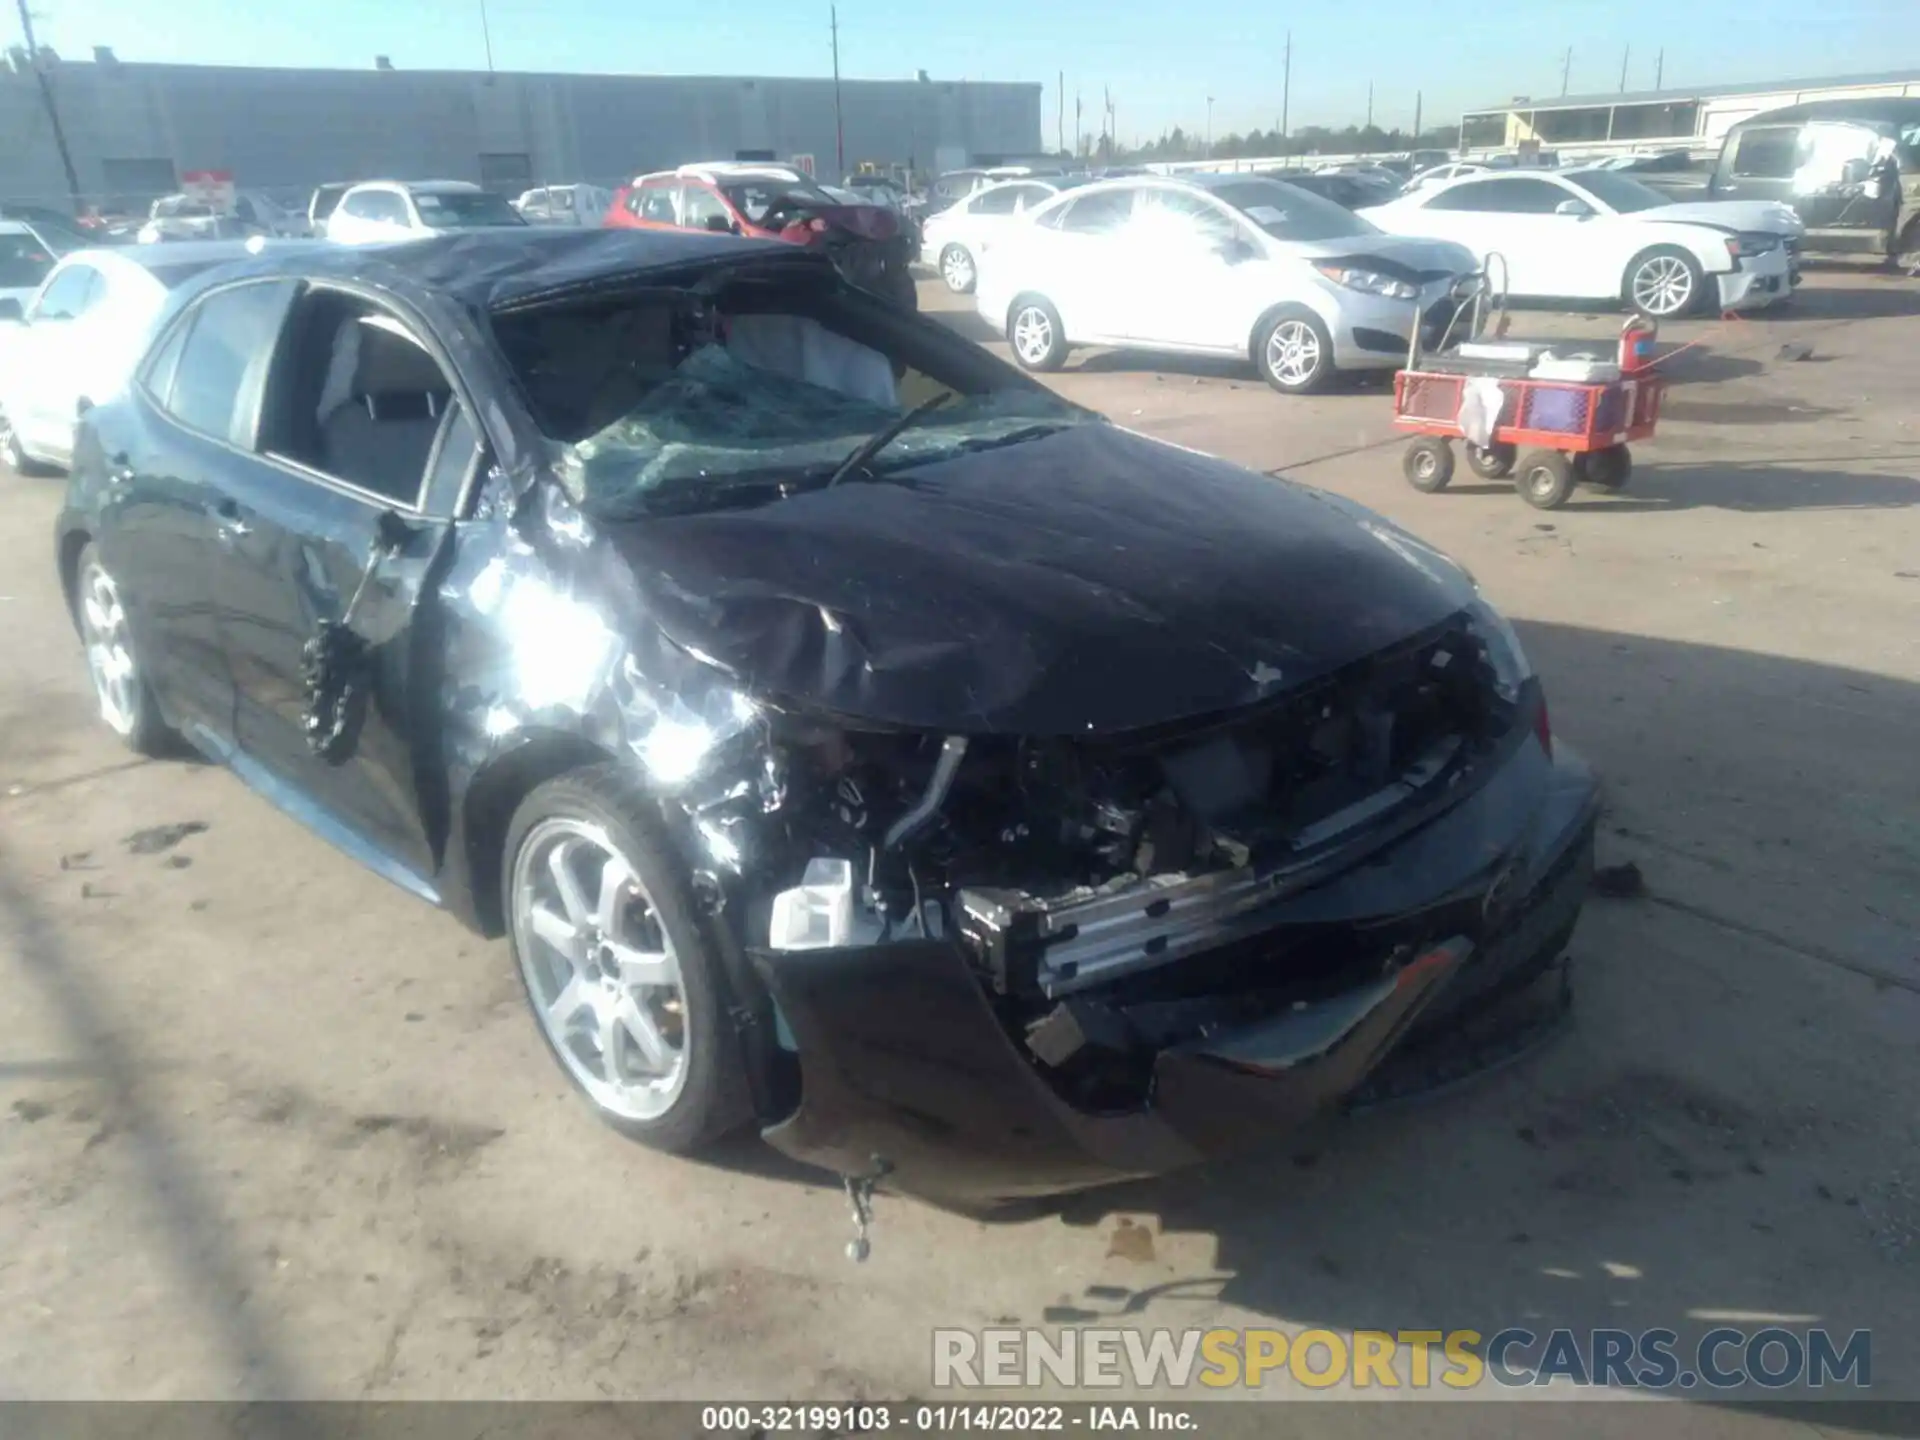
[(884, 437)]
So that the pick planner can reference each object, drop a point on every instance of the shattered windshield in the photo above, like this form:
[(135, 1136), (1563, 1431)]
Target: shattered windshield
[(780, 405)]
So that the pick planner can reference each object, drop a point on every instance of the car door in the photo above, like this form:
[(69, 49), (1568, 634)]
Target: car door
[(979, 219), (54, 353), (1194, 267), (25, 262), (167, 517), (336, 474), (1083, 266)]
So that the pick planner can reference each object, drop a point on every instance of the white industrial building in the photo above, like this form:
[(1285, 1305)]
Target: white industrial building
[(1695, 117), (134, 129)]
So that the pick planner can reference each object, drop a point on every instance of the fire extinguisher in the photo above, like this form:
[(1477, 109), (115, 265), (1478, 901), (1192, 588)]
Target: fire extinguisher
[(1636, 343)]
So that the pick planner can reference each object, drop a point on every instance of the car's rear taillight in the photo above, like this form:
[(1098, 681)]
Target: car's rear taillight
[(1543, 726)]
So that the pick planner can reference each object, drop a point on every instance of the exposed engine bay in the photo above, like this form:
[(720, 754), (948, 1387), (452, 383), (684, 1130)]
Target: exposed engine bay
[(1063, 867)]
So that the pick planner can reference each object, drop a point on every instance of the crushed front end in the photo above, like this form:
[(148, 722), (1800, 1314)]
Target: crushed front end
[(1001, 966)]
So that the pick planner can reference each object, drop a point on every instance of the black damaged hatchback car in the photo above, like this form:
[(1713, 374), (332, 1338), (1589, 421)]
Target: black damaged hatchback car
[(851, 737)]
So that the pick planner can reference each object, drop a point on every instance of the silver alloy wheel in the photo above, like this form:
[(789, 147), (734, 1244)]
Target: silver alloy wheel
[(1663, 285), (1032, 335), (1293, 352), (956, 267), (103, 626), (600, 969)]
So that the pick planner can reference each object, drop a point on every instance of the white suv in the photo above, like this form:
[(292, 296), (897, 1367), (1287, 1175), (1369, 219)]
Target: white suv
[(382, 210)]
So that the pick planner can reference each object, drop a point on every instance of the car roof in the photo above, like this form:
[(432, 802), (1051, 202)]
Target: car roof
[(1873, 109), (497, 268), (16, 227)]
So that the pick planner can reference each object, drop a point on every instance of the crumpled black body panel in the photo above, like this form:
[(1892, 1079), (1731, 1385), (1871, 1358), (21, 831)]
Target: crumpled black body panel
[(1090, 582)]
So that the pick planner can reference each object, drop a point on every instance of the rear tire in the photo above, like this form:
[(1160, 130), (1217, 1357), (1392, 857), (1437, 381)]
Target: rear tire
[(615, 966), (1546, 479), (119, 678), (1664, 283), (1294, 352), (958, 270), (1034, 331), (1428, 464), (1493, 463)]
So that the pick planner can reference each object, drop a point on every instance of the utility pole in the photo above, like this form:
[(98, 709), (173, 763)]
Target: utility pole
[(1079, 135), (1060, 123), (839, 125), (53, 110), (1209, 127), (486, 34), (1659, 69), (1286, 85), (1566, 70), (1369, 104), (1416, 119), (1625, 56)]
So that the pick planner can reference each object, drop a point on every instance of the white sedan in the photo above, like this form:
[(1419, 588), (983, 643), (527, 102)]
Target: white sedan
[(78, 338), (954, 240), (1229, 265), (1597, 233), (377, 211)]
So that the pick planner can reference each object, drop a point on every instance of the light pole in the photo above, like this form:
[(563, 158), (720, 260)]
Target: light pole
[(486, 34), (1209, 127)]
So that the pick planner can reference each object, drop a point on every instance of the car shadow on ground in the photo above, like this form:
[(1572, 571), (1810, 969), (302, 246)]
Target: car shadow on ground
[(1717, 1139), (1878, 295)]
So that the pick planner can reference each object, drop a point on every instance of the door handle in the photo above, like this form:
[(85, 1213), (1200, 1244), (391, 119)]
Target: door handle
[(229, 523)]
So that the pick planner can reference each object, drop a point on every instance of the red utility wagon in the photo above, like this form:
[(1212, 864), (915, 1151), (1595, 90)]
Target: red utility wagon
[(1574, 406)]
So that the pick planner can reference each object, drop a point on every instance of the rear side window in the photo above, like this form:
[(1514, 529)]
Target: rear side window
[(1766, 153), (1506, 197), (1101, 213), (70, 295), (999, 200), (226, 352)]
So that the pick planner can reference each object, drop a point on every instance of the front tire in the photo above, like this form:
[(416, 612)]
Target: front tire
[(1664, 283), (616, 969), (1294, 352), (119, 680), (958, 270), (1428, 464), (1034, 331)]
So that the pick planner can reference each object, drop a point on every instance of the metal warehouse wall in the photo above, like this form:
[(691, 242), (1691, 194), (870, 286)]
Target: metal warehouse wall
[(291, 129)]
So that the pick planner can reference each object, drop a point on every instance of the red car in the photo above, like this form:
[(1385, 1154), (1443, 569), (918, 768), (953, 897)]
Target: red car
[(868, 242)]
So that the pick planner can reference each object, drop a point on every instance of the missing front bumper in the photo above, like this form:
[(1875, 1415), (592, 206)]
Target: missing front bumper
[(907, 1064)]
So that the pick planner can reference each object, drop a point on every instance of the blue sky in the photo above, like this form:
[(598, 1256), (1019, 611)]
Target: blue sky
[(1162, 60)]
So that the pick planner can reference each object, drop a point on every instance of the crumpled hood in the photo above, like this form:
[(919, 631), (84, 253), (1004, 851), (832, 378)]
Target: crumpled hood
[(1089, 582), (1767, 215)]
